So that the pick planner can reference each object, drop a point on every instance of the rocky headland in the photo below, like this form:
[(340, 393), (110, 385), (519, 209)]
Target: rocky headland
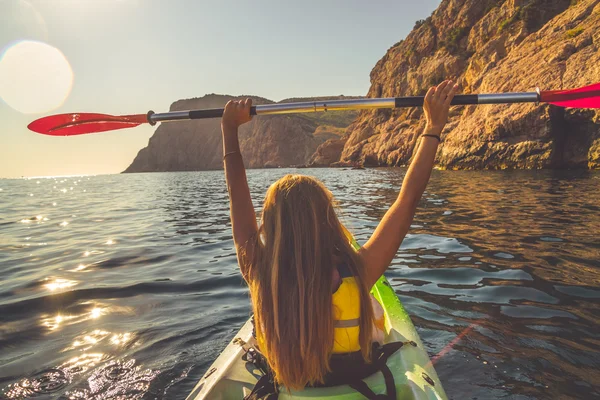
[(266, 141)]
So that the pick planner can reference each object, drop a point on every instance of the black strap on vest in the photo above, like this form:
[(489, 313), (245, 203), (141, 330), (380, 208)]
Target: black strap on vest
[(352, 374), (263, 390), (390, 387)]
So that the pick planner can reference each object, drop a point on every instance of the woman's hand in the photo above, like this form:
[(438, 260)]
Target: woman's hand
[(437, 105), (237, 112)]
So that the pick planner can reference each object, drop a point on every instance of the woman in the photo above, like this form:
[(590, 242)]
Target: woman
[(309, 287)]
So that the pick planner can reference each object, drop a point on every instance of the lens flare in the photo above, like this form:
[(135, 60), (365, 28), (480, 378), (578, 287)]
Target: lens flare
[(34, 77)]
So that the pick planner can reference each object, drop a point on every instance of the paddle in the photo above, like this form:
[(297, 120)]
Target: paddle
[(82, 123)]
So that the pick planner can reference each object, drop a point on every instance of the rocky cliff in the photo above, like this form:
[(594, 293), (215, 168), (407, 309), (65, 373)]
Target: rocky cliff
[(488, 46), (268, 141)]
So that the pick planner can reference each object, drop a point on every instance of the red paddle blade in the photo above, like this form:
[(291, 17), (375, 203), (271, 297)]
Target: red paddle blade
[(81, 123), (584, 97)]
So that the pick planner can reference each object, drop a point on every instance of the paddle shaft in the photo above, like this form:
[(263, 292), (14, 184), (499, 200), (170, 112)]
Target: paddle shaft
[(351, 104)]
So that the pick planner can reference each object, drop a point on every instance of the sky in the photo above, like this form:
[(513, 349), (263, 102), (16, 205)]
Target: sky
[(131, 56)]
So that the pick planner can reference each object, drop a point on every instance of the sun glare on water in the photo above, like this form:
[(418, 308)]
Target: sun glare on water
[(58, 284), (34, 77)]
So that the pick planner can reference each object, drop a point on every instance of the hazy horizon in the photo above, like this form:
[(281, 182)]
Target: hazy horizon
[(130, 56)]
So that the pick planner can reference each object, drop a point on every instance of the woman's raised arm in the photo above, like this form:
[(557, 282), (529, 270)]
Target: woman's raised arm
[(243, 218), (380, 249)]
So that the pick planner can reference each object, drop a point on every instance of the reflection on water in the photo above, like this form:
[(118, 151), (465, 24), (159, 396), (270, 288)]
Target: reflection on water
[(126, 286), (59, 283)]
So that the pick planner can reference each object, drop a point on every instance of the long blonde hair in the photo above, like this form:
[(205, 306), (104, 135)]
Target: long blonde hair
[(299, 243)]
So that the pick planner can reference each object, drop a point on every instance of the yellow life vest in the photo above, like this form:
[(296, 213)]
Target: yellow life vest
[(346, 313)]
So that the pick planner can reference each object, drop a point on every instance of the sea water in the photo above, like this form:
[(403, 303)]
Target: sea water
[(126, 286)]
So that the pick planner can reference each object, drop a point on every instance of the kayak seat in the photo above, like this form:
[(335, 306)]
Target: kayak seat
[(347, 369)]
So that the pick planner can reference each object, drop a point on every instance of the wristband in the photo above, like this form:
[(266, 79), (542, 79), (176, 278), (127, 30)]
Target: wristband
[(433, 136), (230, 153)]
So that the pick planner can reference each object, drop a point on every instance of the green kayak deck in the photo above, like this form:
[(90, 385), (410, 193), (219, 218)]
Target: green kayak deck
[(230, 377)]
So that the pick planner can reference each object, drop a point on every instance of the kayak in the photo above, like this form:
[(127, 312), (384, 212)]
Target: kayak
[(230, 377)]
